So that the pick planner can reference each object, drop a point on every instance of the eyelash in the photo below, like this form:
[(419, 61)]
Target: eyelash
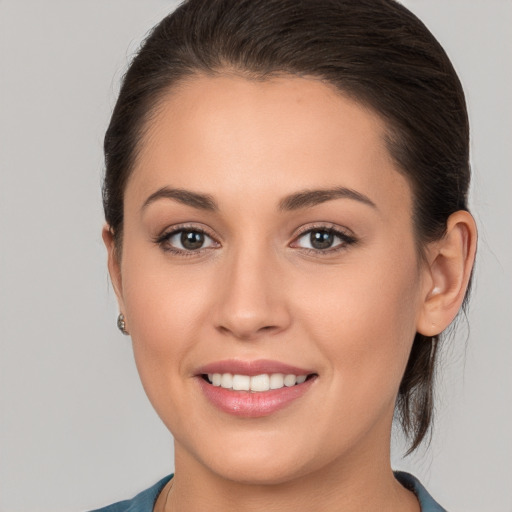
[(163, 240), (346, 240)]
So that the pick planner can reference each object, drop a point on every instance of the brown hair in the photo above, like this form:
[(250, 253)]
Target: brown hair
[(376, 51)]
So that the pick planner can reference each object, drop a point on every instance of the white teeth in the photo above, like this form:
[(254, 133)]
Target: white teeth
[(241, 382), (290, 381), (257, 383), (260, 383), (276, 381), (226, 380)]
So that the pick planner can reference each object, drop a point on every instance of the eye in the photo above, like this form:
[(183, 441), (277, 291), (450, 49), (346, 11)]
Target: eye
[(186, 241), (323, 240)]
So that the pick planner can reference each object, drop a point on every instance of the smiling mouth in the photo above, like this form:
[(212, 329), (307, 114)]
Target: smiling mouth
[(256, 383)]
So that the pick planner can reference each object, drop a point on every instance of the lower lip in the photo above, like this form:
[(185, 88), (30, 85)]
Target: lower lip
[(255, 404)]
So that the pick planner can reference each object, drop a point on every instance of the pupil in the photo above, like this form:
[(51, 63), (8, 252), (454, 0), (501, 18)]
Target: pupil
[(192, 240), (321, 239)]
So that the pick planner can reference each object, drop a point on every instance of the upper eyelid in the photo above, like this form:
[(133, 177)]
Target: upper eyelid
[(172, 230), (343, 237), (326, 227), (192, 226)]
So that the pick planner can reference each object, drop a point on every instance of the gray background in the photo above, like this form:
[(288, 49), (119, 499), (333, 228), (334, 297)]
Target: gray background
[(76, 430)]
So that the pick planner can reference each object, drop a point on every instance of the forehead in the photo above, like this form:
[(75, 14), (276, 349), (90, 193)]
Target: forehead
[(226, 135)]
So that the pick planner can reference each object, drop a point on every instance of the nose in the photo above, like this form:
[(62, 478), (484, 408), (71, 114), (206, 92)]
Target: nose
[(251, 297)]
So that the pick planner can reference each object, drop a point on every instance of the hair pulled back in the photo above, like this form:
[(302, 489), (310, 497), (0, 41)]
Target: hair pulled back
[(375, 51)]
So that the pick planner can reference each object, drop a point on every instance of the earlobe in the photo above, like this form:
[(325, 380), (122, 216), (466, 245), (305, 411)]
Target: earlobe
[(450, 262), (114, 265)]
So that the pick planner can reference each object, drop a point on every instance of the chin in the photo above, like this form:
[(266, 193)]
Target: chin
[(260, 459), (255, 471)]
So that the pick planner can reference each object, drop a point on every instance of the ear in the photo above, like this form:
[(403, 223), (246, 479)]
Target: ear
[(449, 264), (114, 264)]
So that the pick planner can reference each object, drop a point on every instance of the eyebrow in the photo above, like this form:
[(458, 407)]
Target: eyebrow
[(309, 198), (193, 199), (302, 199)]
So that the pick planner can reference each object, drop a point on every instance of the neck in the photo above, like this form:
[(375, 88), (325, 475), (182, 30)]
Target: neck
[(337, 486)]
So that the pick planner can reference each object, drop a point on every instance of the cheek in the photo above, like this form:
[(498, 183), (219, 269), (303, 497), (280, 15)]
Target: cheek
[(165, 314), (364, 323), (161, 299)]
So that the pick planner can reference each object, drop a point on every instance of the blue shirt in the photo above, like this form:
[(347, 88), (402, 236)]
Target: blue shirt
[(145, 501)]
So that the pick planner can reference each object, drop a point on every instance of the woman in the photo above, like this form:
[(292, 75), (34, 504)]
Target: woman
[(288, 236)]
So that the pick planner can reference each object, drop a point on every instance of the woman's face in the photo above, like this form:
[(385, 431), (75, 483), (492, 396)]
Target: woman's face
[(267, 231)]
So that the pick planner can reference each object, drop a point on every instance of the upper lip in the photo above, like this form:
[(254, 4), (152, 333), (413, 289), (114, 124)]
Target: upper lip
[(251, 368)]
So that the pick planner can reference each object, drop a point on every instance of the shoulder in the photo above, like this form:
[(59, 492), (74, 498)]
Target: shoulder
[(427, 503), (143, 502)]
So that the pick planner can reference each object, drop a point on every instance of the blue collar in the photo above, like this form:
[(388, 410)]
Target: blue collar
[(410, 482)]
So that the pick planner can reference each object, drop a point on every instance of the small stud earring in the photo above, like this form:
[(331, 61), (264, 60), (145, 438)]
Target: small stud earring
[(121, 324)]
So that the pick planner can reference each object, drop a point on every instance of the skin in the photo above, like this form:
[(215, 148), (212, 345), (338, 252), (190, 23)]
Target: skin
[(256, 291)]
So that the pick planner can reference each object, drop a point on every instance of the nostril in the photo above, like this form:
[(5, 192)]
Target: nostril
[(248, 332)]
